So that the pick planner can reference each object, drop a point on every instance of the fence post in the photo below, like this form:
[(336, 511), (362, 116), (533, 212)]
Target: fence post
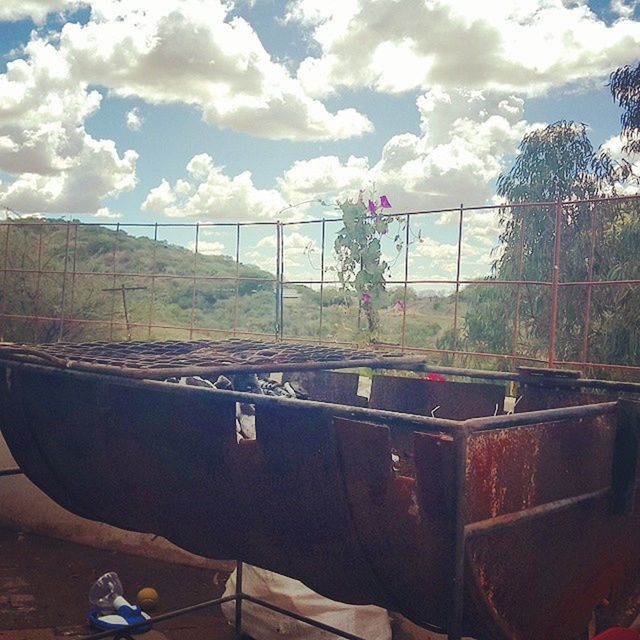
[(555, 281), (63, 294), (279, 278), (322, 257), (457, 295), (235, 302), (3, 312)]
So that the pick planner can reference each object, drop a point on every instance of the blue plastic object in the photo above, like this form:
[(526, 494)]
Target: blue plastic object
[(122, 617)]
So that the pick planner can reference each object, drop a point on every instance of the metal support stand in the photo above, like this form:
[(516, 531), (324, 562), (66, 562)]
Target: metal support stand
[(238, 597)]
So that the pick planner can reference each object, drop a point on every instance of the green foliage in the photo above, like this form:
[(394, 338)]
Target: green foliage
[(359, 256), (94, 253), (625, 88), (558, 163)]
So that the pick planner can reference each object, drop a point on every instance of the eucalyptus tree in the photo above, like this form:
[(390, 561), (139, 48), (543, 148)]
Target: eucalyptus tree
[(625, 89), (554, 164)]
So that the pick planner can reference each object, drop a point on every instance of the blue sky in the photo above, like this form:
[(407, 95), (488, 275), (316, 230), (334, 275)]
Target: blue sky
[(203, 111)]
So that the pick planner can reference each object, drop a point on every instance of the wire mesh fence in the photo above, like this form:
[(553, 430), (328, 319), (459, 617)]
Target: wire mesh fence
[(550, 284)]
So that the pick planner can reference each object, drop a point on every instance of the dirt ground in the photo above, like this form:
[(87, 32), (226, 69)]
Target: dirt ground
[(44, 584)]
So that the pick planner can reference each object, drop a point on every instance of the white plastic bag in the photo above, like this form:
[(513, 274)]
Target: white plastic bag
[(366, 621)]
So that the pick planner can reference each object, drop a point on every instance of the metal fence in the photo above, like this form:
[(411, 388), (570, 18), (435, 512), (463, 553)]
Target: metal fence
[(539, 284)]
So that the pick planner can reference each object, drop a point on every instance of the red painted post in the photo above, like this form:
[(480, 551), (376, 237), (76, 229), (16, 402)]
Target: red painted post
[(587, 311), (555, 280), (516, 320), (457, 294)]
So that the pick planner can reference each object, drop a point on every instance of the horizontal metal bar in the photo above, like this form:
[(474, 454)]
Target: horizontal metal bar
[(118, 633), (487, 207), (492, 423), (377, 416), (596, 283), (124, 225), (537, 380), (433, 281), (296, 616), (161, 373), (11, 472), (125, 274), (142, 325), (508, 520)]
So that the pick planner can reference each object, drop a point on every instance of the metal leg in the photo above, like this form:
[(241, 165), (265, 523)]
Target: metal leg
[(457, 600), (238, 600)]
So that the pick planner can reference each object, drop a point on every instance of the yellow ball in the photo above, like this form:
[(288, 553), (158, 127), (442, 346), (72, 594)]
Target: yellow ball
[(147, 598)]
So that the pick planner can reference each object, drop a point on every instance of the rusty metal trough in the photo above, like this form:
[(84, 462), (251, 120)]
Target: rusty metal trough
[(496, 526)]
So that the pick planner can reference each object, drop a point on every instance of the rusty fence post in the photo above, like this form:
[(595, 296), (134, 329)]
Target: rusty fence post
[(3, 313), (152, 297), (555, 281), (63, 294), (403, 337), (279, 275), (587, 311), (322, 258), (457, 296), (114, 278), (194, 292), (236, 299), (516, 320)]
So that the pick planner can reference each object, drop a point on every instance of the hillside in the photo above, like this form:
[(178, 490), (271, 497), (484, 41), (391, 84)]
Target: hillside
[(35, 284), (160, 306)]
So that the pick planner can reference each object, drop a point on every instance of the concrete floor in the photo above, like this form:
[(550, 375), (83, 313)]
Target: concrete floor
[(44, 585)]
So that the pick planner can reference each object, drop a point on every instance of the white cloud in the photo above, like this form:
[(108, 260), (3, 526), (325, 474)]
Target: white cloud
[(480, 226), (462, 147), (464, 141), (525, 46), (105, 212), (323, 176), (195, 52), (430, 258), (210, 194), (624, 8), (55, 165), (614, 147), (208, 247), (295, 243), (134, 119), (37, 10)]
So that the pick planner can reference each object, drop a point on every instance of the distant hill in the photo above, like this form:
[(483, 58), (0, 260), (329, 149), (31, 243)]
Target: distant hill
[(35, 283)]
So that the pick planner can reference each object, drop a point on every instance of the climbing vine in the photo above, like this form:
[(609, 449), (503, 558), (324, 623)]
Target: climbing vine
[(359, 253)]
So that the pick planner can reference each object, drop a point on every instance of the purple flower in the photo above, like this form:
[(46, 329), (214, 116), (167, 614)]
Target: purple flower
[(366, 297), (384, 202), (372, 207), (399, 305)]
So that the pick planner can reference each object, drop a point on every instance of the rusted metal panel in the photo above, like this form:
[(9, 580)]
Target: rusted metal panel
[(513, 469), (444, 399), (565, 563), (316, 497), (540, 390), (537, 398), (404, 524), (156, 462), (328, 386)]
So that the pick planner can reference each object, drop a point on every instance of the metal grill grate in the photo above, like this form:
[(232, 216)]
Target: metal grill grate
[(165, 359)]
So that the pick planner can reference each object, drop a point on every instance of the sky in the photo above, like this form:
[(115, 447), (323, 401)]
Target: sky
[(259, 110)]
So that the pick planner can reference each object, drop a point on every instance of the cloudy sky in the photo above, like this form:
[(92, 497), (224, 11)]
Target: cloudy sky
[(203, 110)]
